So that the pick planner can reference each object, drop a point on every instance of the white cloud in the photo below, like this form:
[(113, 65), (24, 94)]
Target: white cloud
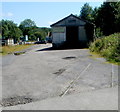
[(9, 14), (50, 22)]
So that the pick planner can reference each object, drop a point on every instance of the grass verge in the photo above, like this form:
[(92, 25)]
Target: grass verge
[(5, 50)]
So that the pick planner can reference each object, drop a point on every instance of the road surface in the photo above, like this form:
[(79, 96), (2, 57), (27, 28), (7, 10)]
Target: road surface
[(42, 74)]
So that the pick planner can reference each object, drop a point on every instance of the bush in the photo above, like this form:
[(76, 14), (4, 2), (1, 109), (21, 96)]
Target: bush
[(108, 47), (98, 32)]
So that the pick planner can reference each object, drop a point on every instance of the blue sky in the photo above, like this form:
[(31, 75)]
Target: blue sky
[(42, 13)]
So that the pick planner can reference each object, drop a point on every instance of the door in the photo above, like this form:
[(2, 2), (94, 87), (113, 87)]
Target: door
[(72, 36)]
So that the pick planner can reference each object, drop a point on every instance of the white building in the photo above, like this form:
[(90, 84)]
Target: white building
[(71, 32)]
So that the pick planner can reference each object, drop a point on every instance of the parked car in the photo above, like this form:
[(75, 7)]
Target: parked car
[(41, 42), (2, 42), (49, 39)]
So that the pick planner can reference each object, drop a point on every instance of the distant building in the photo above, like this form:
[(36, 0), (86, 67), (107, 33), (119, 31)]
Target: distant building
[(9, 41), (72, 31)]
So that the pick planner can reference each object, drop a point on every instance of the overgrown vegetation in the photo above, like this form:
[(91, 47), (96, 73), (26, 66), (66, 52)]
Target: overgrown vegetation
[(4, 50), (108, 47), (106, 19)]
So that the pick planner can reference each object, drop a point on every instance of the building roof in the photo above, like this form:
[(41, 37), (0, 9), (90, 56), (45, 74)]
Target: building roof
[(71, 15)]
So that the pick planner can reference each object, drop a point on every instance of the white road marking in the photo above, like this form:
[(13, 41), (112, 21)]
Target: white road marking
[(73, 81), (112, 74)]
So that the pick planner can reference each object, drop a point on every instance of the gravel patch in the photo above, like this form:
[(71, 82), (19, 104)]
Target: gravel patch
[(15, 101)]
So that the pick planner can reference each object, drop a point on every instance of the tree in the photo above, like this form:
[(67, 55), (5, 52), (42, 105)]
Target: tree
[(86, 12), (108, 18), (38, 35), (10, 30), (27, 26), (41, 33), (117, 16), (94, 14)]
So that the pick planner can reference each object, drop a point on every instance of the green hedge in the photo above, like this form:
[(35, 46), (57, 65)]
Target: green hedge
[(108, 47)]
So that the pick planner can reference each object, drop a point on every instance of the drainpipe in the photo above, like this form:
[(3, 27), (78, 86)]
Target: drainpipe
[(94, 34)]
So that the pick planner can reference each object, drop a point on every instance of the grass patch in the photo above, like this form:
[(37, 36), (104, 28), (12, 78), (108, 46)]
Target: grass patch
[(107, 47), (5, 50), (95, 55), (19, 52)]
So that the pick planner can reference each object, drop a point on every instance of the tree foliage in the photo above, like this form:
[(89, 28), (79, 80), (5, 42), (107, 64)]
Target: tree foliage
[(27, 26), (86, 12), (10, 30), (106, 17)]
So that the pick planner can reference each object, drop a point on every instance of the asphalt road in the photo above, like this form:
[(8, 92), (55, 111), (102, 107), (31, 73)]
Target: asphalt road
[(102, 99), (41, 73)]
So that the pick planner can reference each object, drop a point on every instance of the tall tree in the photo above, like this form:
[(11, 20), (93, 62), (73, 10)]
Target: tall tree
[(117, 16), (86, 12), (108, 17), (27, 26), (94, 14), (10, 30)]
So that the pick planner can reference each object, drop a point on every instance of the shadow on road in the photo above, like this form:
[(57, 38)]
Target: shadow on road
[(45, 49), (60, 48)]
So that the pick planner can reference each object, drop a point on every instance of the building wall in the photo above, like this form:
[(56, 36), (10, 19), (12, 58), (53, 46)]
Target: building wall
[(61, 27), (82, 34), (58, 35), (71, 21), (10, 42)]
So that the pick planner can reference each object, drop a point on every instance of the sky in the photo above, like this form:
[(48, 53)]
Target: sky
[(42, 13)]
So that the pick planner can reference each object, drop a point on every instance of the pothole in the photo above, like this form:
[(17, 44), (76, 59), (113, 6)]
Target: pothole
[(19, 52), (16, 101), (69, 57), (60, 71)]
